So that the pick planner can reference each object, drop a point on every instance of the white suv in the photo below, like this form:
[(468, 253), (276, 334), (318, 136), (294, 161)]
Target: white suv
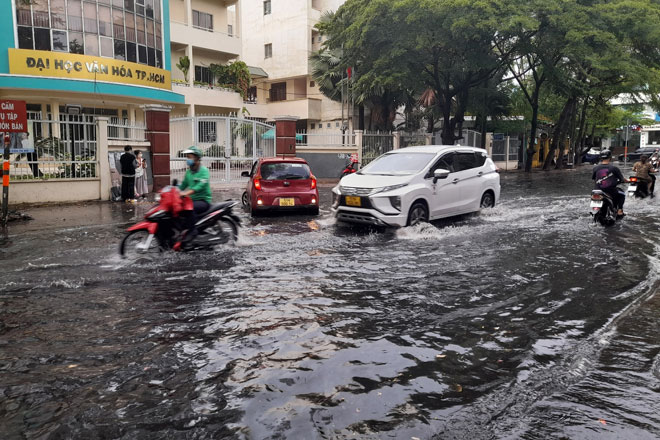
[(417, 184)]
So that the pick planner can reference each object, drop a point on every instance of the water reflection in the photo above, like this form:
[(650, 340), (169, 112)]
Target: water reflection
[(526, 321)]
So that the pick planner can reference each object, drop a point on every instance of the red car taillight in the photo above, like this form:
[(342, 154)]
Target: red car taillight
[(313, 185), (257, 184)]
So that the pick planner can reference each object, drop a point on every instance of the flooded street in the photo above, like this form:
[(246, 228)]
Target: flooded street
[(527, 321)]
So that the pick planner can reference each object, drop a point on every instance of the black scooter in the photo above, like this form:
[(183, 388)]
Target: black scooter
[(602, 208)]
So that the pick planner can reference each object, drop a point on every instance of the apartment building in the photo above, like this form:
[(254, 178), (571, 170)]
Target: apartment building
[(278, 37), (207, 32)]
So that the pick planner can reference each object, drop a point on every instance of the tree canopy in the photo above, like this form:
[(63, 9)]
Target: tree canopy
[(487, 58)]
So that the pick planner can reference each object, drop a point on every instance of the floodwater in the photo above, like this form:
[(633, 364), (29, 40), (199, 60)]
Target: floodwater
[(527, 321)]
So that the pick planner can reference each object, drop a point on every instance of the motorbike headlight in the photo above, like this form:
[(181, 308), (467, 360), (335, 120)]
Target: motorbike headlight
[(387, 188)]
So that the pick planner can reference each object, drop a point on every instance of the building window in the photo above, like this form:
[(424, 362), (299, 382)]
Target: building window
[(252, 95), (328, 125), (202, 20), (230, 30), (203, 75), (268, 50), (312, 84), (109, 28), (60, 41), (267, 9), (278, 92), (313, 126), (25, 40), (42, 39)]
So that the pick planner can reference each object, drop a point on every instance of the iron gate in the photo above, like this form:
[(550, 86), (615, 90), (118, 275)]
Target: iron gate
[(230, 145)]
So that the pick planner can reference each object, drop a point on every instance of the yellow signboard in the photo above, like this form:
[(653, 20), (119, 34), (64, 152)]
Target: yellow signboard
[(73, 66)]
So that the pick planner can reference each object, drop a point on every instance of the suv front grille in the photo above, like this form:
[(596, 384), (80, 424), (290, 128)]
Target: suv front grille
[(351, 191)]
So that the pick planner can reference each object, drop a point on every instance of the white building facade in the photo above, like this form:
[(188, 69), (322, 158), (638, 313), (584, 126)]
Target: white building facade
[(278, 37)]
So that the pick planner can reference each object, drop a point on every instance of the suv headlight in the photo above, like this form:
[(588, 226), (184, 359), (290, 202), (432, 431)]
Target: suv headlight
[(387, 188)]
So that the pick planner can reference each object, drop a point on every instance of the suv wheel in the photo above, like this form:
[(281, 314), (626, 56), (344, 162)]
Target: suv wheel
[(419, 213), (487, 200)]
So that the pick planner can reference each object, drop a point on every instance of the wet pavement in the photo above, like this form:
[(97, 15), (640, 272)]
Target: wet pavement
[(527, 321)]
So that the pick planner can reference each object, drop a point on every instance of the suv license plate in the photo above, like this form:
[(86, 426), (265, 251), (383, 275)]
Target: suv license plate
[(353, 201), (287, 202)]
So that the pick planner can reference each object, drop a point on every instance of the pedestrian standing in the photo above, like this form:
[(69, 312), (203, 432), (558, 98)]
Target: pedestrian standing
[(128, 166), (141, 187)]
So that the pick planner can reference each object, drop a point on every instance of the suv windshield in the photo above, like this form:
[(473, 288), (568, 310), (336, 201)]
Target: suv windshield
[(398, 164), (285, 171)]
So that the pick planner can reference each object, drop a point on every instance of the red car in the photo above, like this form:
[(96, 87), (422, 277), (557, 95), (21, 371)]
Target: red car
[(284, 183)]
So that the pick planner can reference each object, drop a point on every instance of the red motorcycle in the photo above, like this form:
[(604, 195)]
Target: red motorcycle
[(351, 167), (163, 226)]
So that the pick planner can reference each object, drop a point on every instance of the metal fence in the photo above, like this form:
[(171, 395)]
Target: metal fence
[(375, 144), (506, 148), (121, 130), (514, 149), (413, 139), (64, 149), (325, 139), (470, 138), (230, 145)]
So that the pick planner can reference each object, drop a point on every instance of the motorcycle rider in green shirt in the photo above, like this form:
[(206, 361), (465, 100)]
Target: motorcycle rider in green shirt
[(196, 185)]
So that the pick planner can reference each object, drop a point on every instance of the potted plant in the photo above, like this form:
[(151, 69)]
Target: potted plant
[(184, 66)]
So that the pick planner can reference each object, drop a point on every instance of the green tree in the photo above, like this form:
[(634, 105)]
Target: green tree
[(184, 66)]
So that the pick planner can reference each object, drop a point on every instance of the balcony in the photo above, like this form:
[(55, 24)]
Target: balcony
[(210, 96), (308, 108), (211, 40)]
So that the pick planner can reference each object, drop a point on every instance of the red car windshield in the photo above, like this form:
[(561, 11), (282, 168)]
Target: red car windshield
[(285, 171)]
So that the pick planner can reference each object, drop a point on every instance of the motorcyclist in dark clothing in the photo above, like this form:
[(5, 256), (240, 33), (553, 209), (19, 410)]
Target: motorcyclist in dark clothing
[(607, 177)]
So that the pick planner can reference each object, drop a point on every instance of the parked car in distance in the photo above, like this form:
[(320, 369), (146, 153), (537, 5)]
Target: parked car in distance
[(592, 156), (281, 183), (418, 184), (636, 155)]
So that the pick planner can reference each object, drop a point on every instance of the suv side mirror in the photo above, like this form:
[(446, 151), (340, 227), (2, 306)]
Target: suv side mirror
[(245, 174), (440, 174)]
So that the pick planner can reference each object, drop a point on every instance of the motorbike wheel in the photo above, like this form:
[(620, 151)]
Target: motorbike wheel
[(130, 245), (606, 218), (226, 228)]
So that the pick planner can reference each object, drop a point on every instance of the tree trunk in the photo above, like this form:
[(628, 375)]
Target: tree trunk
[(484, 128), (573, 131), (361, 117), (558, 134), (583, 125), (531, 146)]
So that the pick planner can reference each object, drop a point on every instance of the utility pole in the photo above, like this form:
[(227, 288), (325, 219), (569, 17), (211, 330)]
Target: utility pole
[(5, 181)]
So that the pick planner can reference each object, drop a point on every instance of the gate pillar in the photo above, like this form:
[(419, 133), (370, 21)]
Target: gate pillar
[(285, 129), (157, 119)]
